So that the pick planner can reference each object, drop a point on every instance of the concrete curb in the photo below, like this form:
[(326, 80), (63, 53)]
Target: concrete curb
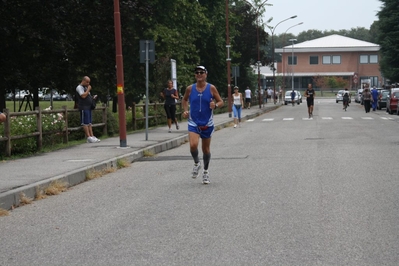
[(12, 198)]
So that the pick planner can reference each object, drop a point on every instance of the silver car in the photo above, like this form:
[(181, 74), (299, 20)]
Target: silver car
[(298, 97), (340, 98)]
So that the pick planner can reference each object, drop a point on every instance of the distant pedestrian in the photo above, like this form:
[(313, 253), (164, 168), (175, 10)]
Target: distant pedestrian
[(269, 94), (248, 96), (238, 103), (85, 101), (293, 94), (345, 98), (3, 117), (264, 93), (310, 95), (367, 98), (170, 96), (201, 97), (374, 94)]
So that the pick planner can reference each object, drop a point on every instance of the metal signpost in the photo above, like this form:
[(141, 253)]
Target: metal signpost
[(236, 74), (173, 72), (147, 55)]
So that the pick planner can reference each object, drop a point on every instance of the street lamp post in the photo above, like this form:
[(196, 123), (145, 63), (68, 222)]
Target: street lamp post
[(292, 61), (272, 29), (283, 52)]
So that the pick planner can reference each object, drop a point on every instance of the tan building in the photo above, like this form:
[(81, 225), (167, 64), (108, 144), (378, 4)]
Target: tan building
[(332, 56)]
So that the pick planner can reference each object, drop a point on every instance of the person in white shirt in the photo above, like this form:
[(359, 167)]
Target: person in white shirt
[(248, 95)]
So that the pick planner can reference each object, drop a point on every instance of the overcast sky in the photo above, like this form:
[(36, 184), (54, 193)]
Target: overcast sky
[(321, 14)]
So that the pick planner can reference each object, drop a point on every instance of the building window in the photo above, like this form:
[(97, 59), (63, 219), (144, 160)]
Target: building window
[(369, 59), (314, 60), (364, 59), (336, 59), (331, 59), (290, 60), (373, 59), (326, 59)]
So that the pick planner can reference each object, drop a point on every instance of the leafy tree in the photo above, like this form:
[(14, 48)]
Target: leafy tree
[(389, 39), (244, 29)]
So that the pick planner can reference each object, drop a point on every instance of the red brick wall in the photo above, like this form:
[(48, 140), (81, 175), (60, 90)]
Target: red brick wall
[(350, 62)]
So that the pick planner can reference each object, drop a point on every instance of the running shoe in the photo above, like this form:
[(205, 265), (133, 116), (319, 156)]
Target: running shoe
[(235, 125), (170, 130), (205, 178), (177, 126), (95, 139), (196, 169)]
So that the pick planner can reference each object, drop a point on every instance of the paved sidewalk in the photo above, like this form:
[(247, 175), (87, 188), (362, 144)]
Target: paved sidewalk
[(70, 164)]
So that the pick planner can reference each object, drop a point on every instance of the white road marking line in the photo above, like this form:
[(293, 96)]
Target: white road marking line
[(347, 118), (251, 120), (327, 118), (386, 118), (268, 119), (367, 118), (288, 119)]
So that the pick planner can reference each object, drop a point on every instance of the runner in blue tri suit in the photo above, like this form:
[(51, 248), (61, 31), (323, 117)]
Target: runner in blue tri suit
[(203, 98)]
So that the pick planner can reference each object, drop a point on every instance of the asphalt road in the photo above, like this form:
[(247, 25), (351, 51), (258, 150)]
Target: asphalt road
[(285, 190)]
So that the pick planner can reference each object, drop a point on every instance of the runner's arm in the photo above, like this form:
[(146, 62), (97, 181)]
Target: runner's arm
[(216, 96)]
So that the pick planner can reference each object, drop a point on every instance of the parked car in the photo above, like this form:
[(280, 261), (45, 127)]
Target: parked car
[(56, 96), (66, 97), (358, 97), (298, 97), (340, 98), (392, 100), (382, 99), (9, 96), (20, 94)]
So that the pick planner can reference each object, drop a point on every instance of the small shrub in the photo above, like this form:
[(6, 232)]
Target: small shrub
[(147, 153), (40, 193), (24, 200), (122, 163), (56, 187), (4, 212)]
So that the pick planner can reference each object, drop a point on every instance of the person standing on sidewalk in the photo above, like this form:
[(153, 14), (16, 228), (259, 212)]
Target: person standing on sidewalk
[(85, 101), (238, 103), (170, 96), (201, 98), (310, 94), (248, 96)]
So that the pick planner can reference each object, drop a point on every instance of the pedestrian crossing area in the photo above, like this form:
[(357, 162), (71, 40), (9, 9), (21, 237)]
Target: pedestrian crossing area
[(322, 118)]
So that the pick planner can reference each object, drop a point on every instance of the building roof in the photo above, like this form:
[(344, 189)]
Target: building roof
[(309, 74), (331, 43)]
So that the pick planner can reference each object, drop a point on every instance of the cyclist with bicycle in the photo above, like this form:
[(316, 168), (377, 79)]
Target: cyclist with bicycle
[(345, 98)]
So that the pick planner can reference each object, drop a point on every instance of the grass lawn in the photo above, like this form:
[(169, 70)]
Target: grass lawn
[(43, 105)]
